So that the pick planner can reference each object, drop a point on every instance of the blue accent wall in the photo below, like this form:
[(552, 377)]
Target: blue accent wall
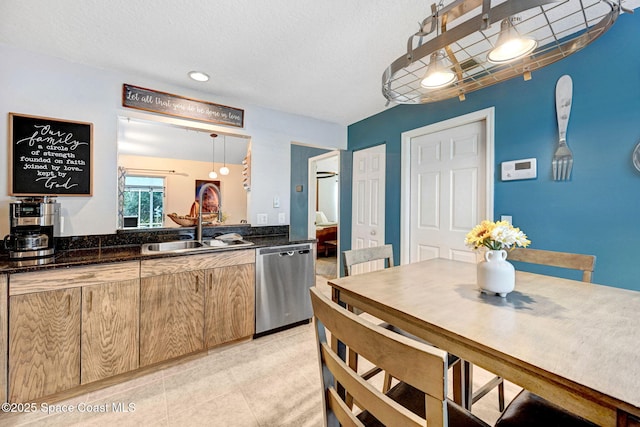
[(598, 210), (300, 156)]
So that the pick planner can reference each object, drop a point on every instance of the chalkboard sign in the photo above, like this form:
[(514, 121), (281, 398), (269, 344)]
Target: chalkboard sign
[(49, 156), (179, 106)]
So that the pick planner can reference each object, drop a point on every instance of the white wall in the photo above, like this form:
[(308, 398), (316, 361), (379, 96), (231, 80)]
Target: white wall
[(40, 85)]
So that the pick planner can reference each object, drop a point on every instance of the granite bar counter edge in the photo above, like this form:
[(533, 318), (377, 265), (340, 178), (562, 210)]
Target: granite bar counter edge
[(124, 245)]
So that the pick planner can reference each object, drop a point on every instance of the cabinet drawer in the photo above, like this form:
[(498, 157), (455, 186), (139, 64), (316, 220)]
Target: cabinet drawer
[(173, 265), (73, 277)]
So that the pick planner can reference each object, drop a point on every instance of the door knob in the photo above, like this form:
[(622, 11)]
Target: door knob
[(373, 232)]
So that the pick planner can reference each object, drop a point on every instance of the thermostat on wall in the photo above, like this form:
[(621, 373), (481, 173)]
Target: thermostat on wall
[(519, 169)]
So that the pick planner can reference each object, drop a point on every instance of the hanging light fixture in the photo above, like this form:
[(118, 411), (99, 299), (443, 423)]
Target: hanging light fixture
[(510, 45), (213, 174), (438, 74), (464, 33), (224, 170)]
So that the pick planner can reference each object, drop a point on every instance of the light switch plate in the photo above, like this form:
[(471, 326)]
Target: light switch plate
[(519, 169)]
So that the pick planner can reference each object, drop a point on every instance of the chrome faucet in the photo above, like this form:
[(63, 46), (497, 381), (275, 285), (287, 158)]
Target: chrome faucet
[(200, 194)]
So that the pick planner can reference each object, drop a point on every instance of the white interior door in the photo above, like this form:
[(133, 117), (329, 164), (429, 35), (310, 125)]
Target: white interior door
[(368, 198), (448, 181)]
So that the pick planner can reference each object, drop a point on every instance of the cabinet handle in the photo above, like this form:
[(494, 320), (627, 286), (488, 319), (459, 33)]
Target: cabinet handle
[(210, 281), (197, 283), (68, 305), (90, 301)]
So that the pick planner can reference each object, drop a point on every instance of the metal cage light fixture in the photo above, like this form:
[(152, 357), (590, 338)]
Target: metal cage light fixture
[(463, 32)]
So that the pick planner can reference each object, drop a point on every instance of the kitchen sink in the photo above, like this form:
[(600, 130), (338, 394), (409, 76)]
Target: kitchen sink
[(180, 246)]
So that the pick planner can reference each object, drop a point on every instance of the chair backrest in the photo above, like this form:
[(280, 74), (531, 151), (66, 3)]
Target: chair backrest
[(422, 366), (354, 257), (585, 263)]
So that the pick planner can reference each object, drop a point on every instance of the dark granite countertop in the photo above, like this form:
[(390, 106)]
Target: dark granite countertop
[(88, 256)]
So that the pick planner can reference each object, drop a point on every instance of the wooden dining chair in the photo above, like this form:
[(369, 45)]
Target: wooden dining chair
[(350, 259), (584, 263), (528, 409), (419, 399), (354, 257), (384, 253)]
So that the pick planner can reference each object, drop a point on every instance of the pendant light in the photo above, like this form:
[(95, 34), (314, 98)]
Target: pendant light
[(475, 34), (438, 74), (510, 45), (213, 174), (224, 170)]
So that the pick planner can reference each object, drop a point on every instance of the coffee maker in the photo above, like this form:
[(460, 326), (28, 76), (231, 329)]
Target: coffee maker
[(35, 223)]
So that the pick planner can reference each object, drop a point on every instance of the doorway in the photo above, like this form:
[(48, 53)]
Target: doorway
[(447, 186), (324, 211)]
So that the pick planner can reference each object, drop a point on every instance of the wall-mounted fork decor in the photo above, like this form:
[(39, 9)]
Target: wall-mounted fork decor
[(562, 161)]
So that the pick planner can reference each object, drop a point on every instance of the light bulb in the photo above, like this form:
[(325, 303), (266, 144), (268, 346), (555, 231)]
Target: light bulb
[(224, 170), (213, 174), (437, 75), (510, 45)]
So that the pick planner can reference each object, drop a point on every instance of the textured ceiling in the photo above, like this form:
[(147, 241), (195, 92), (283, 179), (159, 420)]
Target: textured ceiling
[(322, 59)]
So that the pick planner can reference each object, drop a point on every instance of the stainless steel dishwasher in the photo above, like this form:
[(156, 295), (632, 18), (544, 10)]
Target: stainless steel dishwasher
[(284, 275)]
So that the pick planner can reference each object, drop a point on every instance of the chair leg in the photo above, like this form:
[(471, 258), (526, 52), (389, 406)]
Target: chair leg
[(472, 398)]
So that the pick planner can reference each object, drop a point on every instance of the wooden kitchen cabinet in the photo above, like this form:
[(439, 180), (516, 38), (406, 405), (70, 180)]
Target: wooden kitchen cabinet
[(44, 343), (171, 316), (110, 319), (71, 326), (173, 321), (229, 304)]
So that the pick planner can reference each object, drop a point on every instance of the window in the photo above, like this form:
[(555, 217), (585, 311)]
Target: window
[(144, 201)]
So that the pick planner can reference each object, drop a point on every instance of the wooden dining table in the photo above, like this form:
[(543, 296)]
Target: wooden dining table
[(576, 344)]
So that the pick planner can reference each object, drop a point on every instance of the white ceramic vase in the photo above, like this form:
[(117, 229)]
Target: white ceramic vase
[(496, 275)]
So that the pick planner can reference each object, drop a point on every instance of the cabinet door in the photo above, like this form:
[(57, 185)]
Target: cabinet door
[(171, 316), (44, 343), (110, 319), (230, 304)]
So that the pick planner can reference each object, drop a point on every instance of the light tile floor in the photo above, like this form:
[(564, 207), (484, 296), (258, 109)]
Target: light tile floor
[(269, 381)]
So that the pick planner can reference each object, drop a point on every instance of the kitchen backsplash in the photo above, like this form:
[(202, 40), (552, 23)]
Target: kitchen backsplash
[(139, 237)]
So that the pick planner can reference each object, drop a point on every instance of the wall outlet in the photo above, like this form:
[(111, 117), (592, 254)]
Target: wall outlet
[(282, 218), (506, 218), (276, 202), (263, 218)]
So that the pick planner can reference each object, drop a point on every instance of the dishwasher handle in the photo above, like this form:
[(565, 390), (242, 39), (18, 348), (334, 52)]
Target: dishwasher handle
[(304, 248), (292, 253)]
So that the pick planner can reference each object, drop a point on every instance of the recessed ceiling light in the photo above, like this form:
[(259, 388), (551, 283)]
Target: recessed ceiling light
[(199, 76)]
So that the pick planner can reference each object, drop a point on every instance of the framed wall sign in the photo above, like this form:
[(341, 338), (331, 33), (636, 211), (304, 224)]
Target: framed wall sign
[(49, 156), (179, 106)]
